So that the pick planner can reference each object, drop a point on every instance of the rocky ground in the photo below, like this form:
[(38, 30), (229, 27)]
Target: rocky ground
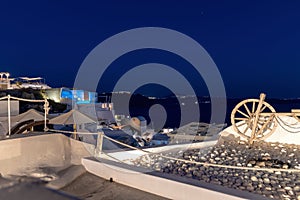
[(233, 152)]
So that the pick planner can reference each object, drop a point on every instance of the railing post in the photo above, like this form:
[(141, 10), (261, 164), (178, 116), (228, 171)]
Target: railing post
[(46, 108), (8, 114), (99, 143)]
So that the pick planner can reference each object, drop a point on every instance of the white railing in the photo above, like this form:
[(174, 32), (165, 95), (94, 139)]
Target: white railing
[(8, 98)]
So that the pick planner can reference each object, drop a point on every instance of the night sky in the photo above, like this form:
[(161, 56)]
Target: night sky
[(255, 44)]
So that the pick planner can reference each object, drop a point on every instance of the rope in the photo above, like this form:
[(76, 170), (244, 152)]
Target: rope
[(70, 132), (280, 121), (21, 99), (2, 98), (291, 125), (205, 164), (28, 100)]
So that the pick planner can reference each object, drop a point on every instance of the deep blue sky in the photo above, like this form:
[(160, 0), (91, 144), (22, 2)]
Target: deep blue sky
[(255, 44)]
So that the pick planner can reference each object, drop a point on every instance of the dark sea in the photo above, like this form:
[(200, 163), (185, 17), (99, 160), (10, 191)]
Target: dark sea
[(172, 117)]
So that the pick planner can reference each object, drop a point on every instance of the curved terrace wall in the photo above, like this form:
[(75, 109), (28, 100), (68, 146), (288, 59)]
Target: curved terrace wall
[(48, 150)]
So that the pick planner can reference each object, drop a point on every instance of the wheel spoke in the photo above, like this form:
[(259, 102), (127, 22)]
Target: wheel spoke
[(253, 107), (265, 106), (243, 114), (241, 124), (247, 109), (246, 130), (241, 119)]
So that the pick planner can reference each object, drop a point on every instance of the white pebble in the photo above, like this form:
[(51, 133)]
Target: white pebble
[(283, 150), (285, 166), (254, 179), (268, 188), (266, 180)]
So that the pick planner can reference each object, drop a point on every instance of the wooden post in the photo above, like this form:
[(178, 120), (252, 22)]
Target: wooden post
[(256, 117), (266, 123)]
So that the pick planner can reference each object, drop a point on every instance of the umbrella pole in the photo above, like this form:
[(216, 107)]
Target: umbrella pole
[(75, 135)]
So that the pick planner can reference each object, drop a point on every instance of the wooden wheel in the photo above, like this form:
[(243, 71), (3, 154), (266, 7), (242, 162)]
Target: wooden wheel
[(243, 119)]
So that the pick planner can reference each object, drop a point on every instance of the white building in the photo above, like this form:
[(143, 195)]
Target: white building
[(5, 81)]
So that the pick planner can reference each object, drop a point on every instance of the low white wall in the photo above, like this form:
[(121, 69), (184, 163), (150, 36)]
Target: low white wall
[(153, 184)]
